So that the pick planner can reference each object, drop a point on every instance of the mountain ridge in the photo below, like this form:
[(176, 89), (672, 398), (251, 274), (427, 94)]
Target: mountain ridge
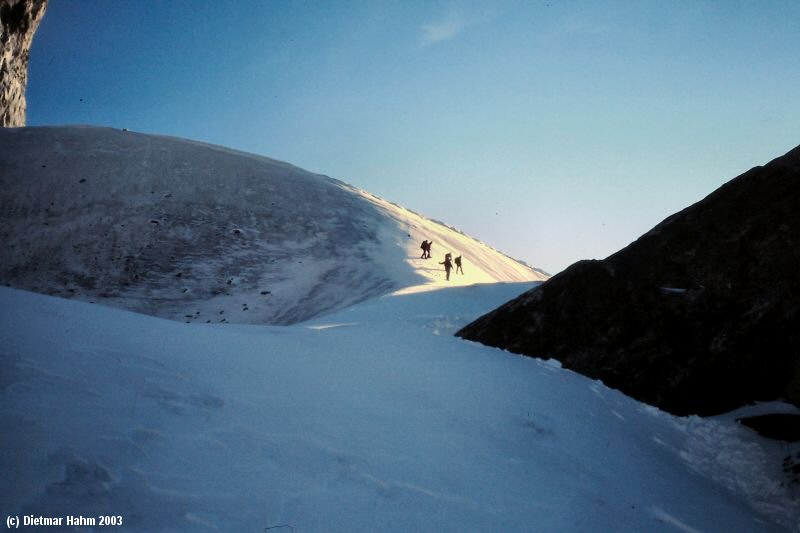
[(198, 232), (695, 316)]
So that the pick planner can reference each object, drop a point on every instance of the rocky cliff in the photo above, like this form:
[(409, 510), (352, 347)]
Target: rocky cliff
[(18, 22), (699, 315)]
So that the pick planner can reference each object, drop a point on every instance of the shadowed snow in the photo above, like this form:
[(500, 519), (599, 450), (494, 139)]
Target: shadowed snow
[(374, 418)]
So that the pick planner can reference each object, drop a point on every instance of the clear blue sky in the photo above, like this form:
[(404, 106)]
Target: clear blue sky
[(552, 130)]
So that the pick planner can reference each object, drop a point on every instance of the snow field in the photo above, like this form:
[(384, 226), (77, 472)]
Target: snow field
[(205, 234), (374, 418)]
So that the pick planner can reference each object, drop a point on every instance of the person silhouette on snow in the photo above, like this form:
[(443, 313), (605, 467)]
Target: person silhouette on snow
[(448, 265), (426, 249), (458, 265)]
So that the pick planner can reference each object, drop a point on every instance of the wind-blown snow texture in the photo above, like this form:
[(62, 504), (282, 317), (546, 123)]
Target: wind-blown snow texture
[(373, 419), (201, 233)]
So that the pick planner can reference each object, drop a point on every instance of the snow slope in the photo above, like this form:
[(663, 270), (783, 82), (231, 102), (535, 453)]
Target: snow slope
[(374, 418), (200, 233)]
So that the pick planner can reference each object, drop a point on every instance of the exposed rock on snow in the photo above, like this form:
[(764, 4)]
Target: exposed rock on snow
[(18, 22), (779, 426), (201, 233), (729, 336)]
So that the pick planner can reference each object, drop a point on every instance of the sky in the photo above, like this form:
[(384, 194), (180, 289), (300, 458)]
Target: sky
[(552, 130)]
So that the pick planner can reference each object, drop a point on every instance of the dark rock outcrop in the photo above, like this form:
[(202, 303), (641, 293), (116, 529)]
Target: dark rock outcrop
[(699, 315), (18, 22), (778, 426)]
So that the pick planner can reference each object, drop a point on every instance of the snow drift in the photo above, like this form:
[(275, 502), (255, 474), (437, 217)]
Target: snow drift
[(200, 233), (374, 418)]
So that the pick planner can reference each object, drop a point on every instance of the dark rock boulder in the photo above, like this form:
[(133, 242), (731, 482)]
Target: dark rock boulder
[(778, 426), (699, 315)]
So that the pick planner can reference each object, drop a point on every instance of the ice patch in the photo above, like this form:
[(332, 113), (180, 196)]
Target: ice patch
[(667, 518), (320, 327)]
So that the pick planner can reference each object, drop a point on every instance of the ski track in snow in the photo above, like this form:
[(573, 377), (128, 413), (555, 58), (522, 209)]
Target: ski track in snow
[(374, 418)]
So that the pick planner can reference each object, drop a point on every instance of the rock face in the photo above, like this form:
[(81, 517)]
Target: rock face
[(19, 19), (699, 315)]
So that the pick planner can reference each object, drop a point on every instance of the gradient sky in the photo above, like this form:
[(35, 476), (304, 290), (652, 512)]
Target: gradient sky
[(553, 131)]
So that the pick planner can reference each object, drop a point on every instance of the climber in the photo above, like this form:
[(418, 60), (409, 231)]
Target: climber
[(458, 265), (448, 265)]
